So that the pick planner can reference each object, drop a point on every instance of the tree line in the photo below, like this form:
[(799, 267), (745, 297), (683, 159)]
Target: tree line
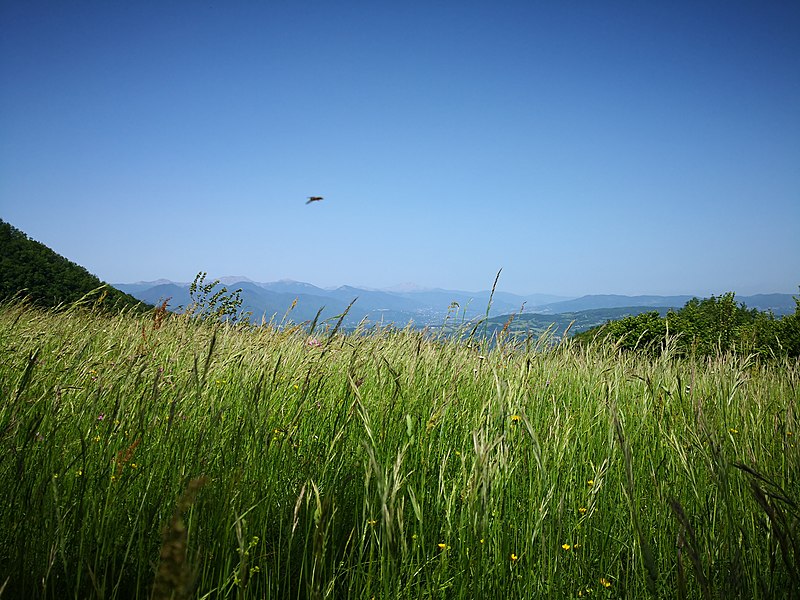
[(703, 328)]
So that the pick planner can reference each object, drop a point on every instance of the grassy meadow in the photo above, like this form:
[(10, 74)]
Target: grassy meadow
[(150, 456)]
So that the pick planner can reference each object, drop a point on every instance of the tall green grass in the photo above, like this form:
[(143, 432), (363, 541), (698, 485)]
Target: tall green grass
[(172, 458)]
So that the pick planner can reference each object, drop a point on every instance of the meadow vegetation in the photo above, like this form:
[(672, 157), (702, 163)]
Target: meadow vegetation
[(170, 456)]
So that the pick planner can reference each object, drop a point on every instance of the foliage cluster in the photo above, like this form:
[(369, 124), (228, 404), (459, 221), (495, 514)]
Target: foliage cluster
[(183, 457), (703, 328), (212, 304), (46, 279)]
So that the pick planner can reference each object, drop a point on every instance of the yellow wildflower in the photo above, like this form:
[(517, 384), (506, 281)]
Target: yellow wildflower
[(442, 546), (566, 547), (516, 418), (590, 483), (732, 430), (514, 557), (582, 510), (605, 582)]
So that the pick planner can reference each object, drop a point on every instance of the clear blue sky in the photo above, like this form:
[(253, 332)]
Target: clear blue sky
[(584, 147)]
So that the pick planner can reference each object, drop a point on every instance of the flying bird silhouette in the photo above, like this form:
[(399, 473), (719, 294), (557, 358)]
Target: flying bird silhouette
[(313, 199)]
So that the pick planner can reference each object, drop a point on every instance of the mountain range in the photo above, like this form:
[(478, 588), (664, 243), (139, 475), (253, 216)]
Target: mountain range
[(427, 307), (32, 270)]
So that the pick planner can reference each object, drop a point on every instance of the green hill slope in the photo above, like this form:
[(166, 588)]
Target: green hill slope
[(536, 324), (46, 278)]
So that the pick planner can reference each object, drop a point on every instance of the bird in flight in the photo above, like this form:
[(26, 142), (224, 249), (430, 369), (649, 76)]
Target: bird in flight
[(313, 199)]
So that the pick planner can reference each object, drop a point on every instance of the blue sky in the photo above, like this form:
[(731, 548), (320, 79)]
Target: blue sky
[(583, 147)]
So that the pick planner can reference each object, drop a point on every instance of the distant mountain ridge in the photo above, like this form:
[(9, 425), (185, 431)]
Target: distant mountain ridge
[(594, 301), (47, 278), (427, 307), (421, 305), (779, 304)]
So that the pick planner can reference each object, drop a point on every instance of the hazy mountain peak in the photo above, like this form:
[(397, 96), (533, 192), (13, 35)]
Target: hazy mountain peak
[(407, 287), (151, 283), (231, 279)]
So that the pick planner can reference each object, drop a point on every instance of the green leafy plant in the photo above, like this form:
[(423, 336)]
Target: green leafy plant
[(213, 304)]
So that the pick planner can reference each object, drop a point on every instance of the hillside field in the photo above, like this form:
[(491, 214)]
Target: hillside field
[(149, 455)]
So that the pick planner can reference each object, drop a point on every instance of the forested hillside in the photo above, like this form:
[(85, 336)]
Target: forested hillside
[(33, 270)]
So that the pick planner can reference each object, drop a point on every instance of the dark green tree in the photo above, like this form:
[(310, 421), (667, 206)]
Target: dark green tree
[(704, 328), (788, 331), (646, 331)]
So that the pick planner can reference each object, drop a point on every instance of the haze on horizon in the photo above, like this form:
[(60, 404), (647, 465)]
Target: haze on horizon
[(584, 148)]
